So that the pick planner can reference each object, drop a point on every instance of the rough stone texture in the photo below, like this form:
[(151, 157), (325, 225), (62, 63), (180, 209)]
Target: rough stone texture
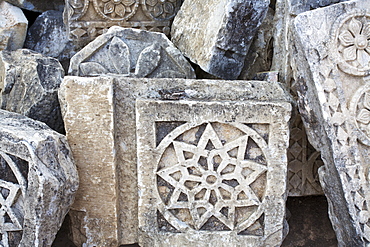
[(131, 52), (13, 27), (220, 35), (38, 180), (212, 173), (48, 36), (29, 83), (86, 19), (89, 106), (38, 5), (332, 66)]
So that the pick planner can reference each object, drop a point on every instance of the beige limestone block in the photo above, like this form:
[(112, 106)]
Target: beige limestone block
[(212, 173), (13, 27), (85, 20), (83, 133), (331, 67)]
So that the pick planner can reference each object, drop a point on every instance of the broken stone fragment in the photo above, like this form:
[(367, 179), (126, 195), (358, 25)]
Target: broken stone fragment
[(38, 5), (38, 180), (331, 66), (29, 84), (13, 27), (96, 107), (131, 52), (217, 35), (48, 36)]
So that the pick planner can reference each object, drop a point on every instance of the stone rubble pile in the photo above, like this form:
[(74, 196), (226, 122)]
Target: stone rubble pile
[(170, 148)]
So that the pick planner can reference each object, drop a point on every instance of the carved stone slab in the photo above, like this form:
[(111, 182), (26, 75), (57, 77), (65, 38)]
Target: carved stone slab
[(38, 180), (131, 52), (211, 173), (29, 84), (38, 5), (13, 27), (89, 105), (217, 35), (332, 70), (87, 19)]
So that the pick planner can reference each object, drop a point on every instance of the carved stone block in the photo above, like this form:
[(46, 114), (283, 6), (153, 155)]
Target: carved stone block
[(38, 180), (332, 54), (29, 84), (131, 52), (86, 19), (99, 115), (211, 173), (13, 27), (38, 5), (217, 35)]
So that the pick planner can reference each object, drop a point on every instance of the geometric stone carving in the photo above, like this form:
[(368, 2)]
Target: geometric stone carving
[(105, 106), (210, 40), (13, 27), (38, 181), (131, 52), (206, 172), (332, 71), (29, 84), (85, 20)]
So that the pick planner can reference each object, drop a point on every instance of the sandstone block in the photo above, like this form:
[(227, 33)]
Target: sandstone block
[(29, 83), (96, 107), (86, 19), (331, 66), (13, 27), (217, 35), (131, 52), (38, 180)]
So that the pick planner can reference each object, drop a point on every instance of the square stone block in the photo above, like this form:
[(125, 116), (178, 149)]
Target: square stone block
[(211, 173)]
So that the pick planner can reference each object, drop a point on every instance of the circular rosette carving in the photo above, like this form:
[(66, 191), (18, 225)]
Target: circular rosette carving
[(161, 10), (116, 10), (360, 110), (76, 8), (213, 177), (352, 43)]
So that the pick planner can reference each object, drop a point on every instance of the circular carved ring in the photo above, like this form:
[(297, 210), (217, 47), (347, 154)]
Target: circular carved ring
[(360, 113)]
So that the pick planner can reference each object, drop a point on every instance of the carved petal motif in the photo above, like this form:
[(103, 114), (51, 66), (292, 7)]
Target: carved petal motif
[(108, 8), (355, 26), (148, 60), (128, 2), (168, 8), (363, 58), (120, 10), (92, 68), (366, 30), (364, 116), (346, 38), (158, 10), (367, 101), (349, 53), (76, 4), (151, 2), (120, 55)]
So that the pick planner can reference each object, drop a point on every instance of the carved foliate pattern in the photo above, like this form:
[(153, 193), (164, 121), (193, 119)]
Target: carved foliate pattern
[(210, 179), (12, 191), (88, 19), (352, 42), (360, 107), (303, 163)]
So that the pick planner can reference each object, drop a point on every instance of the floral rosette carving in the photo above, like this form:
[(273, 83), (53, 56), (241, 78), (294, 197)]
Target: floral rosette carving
[(116, 9), (352, 41), (360, 108), (161, 9), (76, 8)]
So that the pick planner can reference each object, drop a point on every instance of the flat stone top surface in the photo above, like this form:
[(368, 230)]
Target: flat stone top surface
[(177, 89)]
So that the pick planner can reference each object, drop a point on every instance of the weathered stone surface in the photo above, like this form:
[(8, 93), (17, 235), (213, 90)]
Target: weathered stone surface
[(38, 5), (89, 106), (216, 35), (38, 180), (48, 36), (211, 173), (131, 52), (13, 27), (88, 19), (29, 83), (331, 69)]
